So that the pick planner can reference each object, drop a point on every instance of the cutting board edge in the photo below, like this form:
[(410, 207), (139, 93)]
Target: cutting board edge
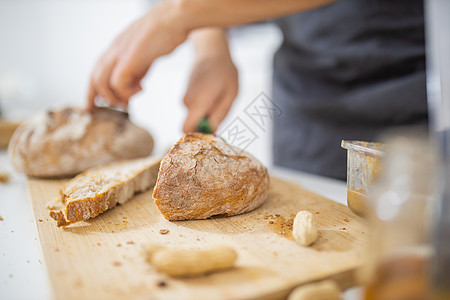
[(51, 283), (344, 280)]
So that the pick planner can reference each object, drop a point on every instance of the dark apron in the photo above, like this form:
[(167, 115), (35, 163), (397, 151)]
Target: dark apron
[(349, 70)]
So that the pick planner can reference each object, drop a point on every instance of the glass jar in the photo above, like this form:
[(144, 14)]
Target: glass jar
[(399, 216), (363, 167), (437, 27)]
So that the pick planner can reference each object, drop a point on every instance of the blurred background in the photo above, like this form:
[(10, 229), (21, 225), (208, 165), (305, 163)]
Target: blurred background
[(48, 49)]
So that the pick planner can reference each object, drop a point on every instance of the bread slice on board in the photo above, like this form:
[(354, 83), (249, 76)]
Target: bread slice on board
[(65, 142), (99, 189), (202, 176)]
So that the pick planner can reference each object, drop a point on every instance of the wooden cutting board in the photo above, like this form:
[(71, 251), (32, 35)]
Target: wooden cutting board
[(102, 258)]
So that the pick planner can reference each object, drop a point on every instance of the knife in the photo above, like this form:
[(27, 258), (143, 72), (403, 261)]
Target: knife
[(204, 126)]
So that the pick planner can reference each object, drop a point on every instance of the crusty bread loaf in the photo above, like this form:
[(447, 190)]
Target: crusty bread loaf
[(99, 189), (68, 141), (202, 176)]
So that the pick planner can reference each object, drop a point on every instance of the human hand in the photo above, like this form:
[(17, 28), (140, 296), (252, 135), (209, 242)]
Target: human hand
[(117, 75), (213, 84), (118, 72)]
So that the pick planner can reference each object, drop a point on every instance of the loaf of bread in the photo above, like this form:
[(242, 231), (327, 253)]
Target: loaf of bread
[(98, 189), (202, 177), (66, 142)]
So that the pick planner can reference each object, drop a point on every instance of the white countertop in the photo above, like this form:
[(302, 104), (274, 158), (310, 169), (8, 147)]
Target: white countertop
[(22, 272)]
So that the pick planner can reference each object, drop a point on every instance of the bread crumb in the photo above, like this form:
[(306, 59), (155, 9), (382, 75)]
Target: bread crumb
[(116, 264), (119, 245), (164, 231), (40, 220), (99, 244), (1, 219), (78, 282), (161, 284), (57, 250), (130, 243), (4, 177), (346, 220)]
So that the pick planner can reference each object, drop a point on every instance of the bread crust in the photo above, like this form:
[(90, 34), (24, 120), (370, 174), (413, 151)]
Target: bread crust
[(99, 189), (202, 177), (65, 142)]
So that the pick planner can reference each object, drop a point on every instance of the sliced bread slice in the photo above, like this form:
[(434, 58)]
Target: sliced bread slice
[(99, 189)]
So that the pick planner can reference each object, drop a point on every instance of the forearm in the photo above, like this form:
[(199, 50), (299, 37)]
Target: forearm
[(224, 13), (210, 42), (118, 73)]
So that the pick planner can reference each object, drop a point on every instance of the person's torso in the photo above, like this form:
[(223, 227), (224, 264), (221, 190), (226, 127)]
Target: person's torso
[(362, 60)]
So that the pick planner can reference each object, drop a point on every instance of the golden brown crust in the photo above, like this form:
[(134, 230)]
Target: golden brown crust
[(97, 190), (68, 141), (202, 176), (58, 216)]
